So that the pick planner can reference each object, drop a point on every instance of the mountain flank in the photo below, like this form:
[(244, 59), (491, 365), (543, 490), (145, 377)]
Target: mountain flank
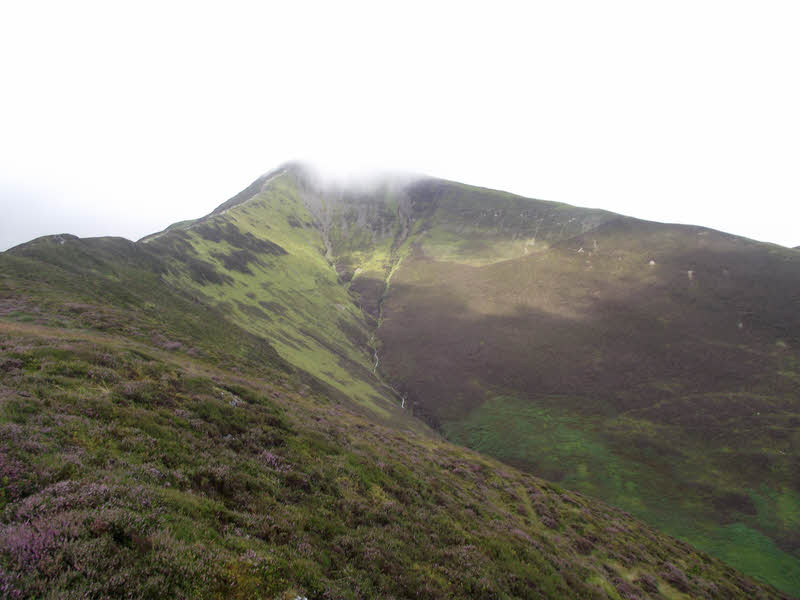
[(257, 403), (652, 365)]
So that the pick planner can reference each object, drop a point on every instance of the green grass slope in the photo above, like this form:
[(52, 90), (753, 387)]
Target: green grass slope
[(654, 366), (261, 259), (151, 448), (115, 286)]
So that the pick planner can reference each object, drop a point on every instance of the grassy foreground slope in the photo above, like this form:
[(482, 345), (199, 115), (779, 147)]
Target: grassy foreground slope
[(151, 448), (654, 366)]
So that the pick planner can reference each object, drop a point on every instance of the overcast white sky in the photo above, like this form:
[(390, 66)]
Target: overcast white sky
[(121, 118)]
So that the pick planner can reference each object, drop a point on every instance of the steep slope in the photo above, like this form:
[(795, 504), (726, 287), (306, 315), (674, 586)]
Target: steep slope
[(654, 366), (151, 447), (261, 259), (651, 365)]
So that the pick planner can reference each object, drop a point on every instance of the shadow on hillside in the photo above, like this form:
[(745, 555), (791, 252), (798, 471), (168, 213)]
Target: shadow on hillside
[(730, 327)]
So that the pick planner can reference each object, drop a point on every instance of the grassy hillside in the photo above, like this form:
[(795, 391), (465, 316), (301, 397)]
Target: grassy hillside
[(261, 260), (116, 286), (252, 375), (153, 448), (654, 366)]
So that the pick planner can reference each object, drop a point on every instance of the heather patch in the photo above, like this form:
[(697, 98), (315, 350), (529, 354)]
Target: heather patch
[(170, 483)]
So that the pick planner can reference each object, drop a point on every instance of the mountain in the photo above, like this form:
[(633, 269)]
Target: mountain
[(654, 366), (255, 403)]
